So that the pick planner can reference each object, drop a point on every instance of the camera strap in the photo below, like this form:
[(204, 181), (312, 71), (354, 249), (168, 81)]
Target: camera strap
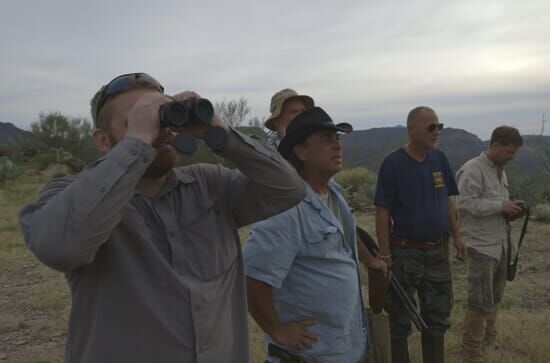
[(512, 267)]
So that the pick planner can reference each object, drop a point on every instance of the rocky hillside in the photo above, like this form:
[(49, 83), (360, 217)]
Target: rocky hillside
[(11, 135)]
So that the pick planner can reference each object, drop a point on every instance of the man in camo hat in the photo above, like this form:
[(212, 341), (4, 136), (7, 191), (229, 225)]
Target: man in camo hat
[(285, 105)]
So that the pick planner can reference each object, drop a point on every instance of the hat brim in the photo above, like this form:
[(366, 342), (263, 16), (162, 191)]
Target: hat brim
[(298, 137), (308, 103)]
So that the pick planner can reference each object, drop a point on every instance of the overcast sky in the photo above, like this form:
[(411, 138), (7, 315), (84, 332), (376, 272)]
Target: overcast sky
[(479, 64)]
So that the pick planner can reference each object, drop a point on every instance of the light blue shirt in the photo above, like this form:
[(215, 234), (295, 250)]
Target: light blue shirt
[(303, 255)]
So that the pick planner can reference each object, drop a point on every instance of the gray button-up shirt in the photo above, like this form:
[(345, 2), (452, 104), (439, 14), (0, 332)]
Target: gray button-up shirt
[(479, 206), (134, 300)]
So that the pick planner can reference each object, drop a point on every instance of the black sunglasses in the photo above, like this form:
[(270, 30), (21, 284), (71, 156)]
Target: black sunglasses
[(123, 83), (432, 127)]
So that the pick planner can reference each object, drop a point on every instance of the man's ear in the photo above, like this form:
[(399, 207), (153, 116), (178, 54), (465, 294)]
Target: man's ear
[(101, 141), (300, 152)]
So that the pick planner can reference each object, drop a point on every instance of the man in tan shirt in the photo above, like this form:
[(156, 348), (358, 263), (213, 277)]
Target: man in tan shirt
[(483, 204)]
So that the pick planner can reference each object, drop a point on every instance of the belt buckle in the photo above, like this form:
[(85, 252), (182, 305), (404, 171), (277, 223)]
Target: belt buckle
[(432, 243)]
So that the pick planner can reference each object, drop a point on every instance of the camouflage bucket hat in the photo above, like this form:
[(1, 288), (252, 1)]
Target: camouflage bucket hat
[(278, 100)]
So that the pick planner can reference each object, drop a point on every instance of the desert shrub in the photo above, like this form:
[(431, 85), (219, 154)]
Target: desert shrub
[(545, 195), (5, 150), (8, 169), (42, 160), (358, 185), (58, 139), (542, 213)]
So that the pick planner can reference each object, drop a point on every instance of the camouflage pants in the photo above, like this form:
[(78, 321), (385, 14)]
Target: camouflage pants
[(486, 280), (426, 272)]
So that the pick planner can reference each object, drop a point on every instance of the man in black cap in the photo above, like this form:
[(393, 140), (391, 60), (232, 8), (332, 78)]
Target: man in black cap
[(301, 265)]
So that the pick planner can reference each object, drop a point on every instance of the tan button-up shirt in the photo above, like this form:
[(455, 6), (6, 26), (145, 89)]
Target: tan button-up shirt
[(132, 302), (479, 205)]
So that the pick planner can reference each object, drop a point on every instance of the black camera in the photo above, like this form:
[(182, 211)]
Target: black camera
[(182, 113), (524, 211)]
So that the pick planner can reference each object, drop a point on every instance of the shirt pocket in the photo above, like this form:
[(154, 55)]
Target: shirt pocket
[(323, 242), (493, 190), (210, 241)]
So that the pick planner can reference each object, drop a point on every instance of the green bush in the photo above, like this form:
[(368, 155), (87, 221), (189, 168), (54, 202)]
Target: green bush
[(5, 150), (44, 159), (8, 169), (358, 185), (542, 213)]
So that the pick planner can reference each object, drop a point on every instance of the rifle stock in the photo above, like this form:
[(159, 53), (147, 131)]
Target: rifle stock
[(395, 285)]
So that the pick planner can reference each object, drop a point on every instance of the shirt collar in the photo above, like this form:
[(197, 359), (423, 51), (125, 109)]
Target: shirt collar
[(313, 198), (486, 159)]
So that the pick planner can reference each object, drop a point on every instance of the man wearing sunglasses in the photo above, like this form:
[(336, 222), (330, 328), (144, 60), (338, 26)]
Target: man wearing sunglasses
[(150, 251), (414, 214)]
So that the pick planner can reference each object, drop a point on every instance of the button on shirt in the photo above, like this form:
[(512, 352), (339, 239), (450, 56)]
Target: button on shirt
[(303, 255), (158, 280), (479, 205)]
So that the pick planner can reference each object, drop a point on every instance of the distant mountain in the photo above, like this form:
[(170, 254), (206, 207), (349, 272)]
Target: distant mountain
[(11, 135), (367, 148)]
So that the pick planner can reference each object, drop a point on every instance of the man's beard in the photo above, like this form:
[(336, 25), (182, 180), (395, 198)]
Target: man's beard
[(164, 162)]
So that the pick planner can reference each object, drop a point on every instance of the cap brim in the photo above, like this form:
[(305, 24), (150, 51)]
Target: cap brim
[(288, 142), (270, 123)]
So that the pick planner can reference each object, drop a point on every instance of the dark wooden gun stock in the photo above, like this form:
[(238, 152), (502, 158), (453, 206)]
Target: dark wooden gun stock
[(394, 285)]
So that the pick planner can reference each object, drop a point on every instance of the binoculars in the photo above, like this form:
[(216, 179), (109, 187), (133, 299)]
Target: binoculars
[(524, 211), (183, 113), (191, 112)]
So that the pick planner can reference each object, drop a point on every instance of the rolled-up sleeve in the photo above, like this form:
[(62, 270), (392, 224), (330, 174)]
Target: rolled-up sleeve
[(74, 216), (271, 248)]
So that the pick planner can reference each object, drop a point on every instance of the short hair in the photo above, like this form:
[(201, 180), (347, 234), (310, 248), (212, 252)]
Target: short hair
[(506, 135), (101, 121), (294, 161), (415, 113)]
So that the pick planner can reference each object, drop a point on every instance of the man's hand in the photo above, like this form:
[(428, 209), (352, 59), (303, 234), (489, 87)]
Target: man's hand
[(295, 334), (378, 264), (143, 118), (198, 130), (511, 207), (461, 249), (384, 255)]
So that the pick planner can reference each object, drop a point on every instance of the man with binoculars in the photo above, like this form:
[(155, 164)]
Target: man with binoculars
[(151, 251)]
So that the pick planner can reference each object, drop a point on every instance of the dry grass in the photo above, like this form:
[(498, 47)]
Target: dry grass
[(542, 213), (34, 301)]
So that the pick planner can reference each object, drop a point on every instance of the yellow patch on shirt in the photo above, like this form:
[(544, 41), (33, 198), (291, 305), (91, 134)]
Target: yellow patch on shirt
[(438, 179)]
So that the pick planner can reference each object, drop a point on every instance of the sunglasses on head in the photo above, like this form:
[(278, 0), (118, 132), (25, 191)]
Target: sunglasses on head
[(123, 83), (433, 127)]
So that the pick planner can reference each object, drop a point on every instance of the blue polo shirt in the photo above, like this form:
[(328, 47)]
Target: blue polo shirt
[(303, 255), (416, 193)]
